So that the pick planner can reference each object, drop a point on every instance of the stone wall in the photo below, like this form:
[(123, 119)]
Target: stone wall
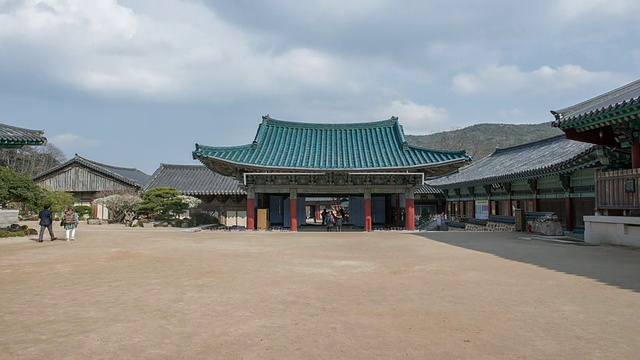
[(547, 227), (491, 226), (8, 217)]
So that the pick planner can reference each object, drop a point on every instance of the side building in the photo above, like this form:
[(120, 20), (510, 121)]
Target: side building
[(610, 120), (221, 196), (85, 179), (549, 175)]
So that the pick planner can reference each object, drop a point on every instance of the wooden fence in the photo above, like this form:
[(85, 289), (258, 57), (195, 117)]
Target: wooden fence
[(618, 190)]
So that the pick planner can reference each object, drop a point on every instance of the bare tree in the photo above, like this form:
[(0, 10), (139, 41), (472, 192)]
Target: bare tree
[(29, 161)]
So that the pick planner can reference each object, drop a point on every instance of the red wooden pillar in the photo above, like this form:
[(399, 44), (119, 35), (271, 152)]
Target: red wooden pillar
[(635, 154), (318, 216), (251, 210), (473, 208), (293, 210), (510, 209), (368, 226), (410, 216)]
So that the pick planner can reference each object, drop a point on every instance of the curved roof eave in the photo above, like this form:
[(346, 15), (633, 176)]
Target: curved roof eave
[(270, 168)]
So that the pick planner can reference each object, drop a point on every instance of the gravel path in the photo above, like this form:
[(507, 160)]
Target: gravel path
[(153, 293)]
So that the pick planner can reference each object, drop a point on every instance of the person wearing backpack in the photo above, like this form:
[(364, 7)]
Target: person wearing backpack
[(46, 221), (71, 220)]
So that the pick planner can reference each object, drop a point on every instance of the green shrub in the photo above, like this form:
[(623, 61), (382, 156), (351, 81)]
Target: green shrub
[(32, 232), (4, 233), (83, 210), (202, 218)]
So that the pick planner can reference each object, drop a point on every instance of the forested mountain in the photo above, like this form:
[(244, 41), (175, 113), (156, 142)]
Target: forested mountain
[(481, 140)]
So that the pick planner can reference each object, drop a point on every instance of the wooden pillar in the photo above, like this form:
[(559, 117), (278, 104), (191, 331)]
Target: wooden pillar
[(293, 210), (568, 208), (251, 209), (318, 215), (473, 208), (635, 154), (368, 226), (410, 216), (397, 209), (510, 209)]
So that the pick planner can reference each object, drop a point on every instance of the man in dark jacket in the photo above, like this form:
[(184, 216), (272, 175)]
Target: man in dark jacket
[(46, 221)]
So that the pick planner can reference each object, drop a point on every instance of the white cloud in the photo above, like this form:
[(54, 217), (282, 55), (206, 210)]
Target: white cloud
[(72, 143), (416, 118), (503, 80), (175, 51), (578, 9)]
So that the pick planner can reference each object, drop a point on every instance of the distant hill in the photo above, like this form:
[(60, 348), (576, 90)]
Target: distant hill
[(482, 139)]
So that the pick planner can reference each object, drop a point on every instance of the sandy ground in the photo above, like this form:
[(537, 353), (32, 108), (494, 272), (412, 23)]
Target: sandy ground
[(125, 293)]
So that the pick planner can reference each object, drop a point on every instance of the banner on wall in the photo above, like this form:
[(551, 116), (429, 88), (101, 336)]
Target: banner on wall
[(482, 209)]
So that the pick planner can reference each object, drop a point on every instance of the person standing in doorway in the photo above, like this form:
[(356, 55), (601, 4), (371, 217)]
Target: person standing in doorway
[(71, 220), (439, 221), (46, 221)]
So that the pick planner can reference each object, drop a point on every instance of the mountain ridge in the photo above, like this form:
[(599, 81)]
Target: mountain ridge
[(481, 140)]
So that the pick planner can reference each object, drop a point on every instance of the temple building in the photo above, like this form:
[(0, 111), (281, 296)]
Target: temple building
[(370, 164), (550, 175), (610, 120), (86, 179)]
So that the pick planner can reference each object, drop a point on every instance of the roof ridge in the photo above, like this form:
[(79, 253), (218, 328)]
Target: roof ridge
[(106, 165), (182, 165), (269, 121), (547, 139)]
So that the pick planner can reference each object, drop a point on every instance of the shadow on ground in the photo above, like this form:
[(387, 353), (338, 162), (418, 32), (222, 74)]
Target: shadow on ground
[(614, 265)]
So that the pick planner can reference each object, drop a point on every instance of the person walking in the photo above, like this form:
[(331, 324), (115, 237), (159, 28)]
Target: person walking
[(46, 221), (71, 220), (338, 217), (329, 220)]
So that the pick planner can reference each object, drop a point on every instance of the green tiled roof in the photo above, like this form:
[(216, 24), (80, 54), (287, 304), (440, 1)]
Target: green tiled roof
[(12, 136), (285, 145), (623, 102)]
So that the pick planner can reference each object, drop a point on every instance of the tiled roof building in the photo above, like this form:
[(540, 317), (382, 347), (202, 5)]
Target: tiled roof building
[(194, 180), (371, 163), (611, 119), (85, 178), (294, 146), (126, 176), (554, 175)]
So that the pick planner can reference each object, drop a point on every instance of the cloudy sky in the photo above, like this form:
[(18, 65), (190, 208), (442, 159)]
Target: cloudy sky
[(136, 83)]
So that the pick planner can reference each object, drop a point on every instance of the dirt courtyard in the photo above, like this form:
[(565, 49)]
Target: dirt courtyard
[(153, 293)]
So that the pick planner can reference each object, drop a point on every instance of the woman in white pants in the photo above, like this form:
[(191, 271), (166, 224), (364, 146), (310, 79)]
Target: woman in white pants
[(70, 223)]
